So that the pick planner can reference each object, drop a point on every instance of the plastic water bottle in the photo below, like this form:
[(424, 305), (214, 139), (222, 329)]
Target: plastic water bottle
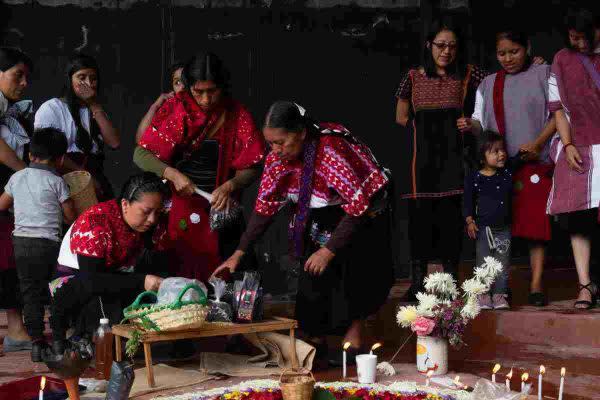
[(104, 350)]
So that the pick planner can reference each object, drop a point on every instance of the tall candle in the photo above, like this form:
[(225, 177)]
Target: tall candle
[(344, 361), (496, 369), (562, 383), (524, 378), (508, 378), (429, 374), (375, 347), (42, 386), (542, 372)]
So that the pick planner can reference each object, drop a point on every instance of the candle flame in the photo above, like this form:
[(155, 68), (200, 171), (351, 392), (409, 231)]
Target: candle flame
[(457, 380), (347, 345), (524, 377), (542, 369), (496, 368), (375, 346), (509, 375), (43, 383), (429, 373), (563, 371)]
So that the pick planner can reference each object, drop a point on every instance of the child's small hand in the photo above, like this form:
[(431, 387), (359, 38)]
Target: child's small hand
[(472, 230)]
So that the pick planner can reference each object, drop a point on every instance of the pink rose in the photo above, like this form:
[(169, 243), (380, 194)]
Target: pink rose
[(422, 326)]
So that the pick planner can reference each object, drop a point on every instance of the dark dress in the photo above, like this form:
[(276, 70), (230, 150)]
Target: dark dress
[(355, 284), (437, 162)]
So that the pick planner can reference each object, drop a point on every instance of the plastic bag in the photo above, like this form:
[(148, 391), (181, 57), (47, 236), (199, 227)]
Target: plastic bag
[(487, 390), (171, 287), (219, 311), (219, 220), (121, 380)]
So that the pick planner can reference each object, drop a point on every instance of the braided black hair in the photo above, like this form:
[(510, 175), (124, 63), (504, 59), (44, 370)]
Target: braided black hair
[(137, 185)]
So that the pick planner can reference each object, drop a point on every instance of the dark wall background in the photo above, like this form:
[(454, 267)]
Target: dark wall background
[(332, 61)]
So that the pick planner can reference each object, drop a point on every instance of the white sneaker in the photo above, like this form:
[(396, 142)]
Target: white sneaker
[(500, 302), (485, 301)]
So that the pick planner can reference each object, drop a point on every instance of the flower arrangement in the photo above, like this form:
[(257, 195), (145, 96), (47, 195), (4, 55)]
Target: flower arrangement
[(442, 311), (268, 389)]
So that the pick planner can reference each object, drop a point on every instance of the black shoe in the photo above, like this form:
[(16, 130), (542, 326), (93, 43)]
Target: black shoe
[(593, 289), (537, 299), (37, 348)]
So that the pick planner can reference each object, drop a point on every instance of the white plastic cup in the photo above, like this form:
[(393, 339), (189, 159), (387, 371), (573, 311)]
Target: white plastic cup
[(366, 368)]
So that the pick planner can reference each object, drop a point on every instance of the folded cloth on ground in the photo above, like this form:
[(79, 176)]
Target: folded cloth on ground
[(275, 354)]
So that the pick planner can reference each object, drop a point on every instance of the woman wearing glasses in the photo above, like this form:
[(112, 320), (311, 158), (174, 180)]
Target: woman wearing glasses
[(431, 99)]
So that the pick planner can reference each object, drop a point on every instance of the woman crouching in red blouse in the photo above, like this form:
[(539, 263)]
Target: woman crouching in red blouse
[(106, 251)]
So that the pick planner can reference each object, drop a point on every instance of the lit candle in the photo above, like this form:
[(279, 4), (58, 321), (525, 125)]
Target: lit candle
[(457, 382), (562, 383), (375, 347), (524, 378), (508, 378), (42, 386), (346, 346), (542, 372), (496, 369), (429, 374)]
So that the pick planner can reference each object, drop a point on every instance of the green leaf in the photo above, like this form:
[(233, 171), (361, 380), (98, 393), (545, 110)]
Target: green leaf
[(322, 394)]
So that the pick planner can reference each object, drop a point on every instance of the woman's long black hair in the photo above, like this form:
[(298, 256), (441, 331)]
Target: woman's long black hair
[(457, 69), (84, 140), (205, 67)]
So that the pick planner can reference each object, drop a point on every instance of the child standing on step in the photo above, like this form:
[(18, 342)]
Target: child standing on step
[(487, 212), (40, 198)]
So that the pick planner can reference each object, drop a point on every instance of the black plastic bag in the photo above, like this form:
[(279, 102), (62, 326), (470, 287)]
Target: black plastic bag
[(121, 380)]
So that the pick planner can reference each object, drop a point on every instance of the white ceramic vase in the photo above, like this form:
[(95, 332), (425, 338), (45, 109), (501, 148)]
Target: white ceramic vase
[(432, 355)]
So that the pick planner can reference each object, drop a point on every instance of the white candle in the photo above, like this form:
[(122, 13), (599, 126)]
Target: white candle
[(508, 378), (562, 383), (42, 386), (346, 346), (429, 374), (496, 369), (542, 372), (375, 347), (524, 378)]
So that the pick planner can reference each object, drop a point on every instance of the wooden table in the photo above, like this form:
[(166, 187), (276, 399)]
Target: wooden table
[(276, 324)]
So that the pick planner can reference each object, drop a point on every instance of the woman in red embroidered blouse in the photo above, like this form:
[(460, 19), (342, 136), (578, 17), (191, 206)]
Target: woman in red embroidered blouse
[(201, 138), (104, 251), (339, 229)]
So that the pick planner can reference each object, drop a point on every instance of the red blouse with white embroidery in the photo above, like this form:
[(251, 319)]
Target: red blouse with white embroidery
[(101, 232), (345, 173), (180, 126)]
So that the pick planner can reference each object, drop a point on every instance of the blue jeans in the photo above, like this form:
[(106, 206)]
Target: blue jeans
[(495, 242)]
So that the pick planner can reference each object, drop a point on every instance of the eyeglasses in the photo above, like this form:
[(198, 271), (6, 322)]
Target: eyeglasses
[(443, 45)]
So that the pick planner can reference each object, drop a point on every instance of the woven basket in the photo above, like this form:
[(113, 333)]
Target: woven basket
[(297, 386), (82, 190), (178, 315)]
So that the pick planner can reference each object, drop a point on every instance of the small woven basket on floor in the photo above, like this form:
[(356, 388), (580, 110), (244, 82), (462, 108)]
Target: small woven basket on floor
[(297, 386), (82, 190), (178, 315)]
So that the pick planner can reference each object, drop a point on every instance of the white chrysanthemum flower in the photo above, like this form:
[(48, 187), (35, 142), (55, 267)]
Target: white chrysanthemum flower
[(483, 275), (406, 315), (386, 368), (442, 284), (474, 287), (426, 303), (471, 309), (494, 266)]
